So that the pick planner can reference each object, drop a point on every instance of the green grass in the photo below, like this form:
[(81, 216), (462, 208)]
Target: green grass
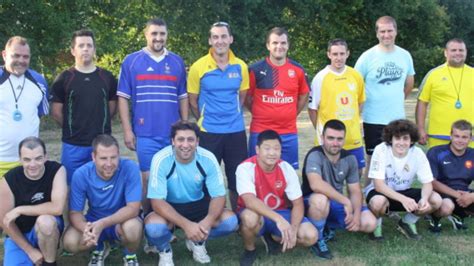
[(450, 248)]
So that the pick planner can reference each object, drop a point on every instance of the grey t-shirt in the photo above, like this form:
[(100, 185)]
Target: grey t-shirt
[(346, 169)]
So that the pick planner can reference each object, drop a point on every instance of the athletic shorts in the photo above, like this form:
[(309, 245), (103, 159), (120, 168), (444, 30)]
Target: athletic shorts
[(7, 166), (194, 211), (360, 156), (229, 147), (396, 206), (458, 210), (372, 136), (289, 149), (15, 255), (270, 226), (108, 234), (147, 147), (73, 157)]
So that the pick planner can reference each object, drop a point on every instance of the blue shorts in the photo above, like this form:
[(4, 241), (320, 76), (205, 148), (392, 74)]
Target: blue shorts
[(289, 149), (147, 147), (14, 255), (108, 234), (359, 153), (270, 226), (73, 157)]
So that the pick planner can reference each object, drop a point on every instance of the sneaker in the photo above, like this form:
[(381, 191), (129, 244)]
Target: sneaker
[(166, 258), (377, 234), (98, 256), (435, 225), (130, 260), (199, 251), (150, 249), (409, 230), (458, 222), (248, 258), (329, 234), (271, 246), (321, 250)]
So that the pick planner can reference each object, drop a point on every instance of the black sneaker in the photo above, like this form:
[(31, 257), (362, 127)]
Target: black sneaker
[(329, 234), (377, 234), (271, 246), (321, 250), (248, 258), (435, 225), (409, 230), (458, 222)]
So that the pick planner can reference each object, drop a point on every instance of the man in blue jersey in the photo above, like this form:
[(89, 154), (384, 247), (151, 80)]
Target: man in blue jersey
[(154, 81), (186, 189), (453, 169), (112, 188), (217, 85)]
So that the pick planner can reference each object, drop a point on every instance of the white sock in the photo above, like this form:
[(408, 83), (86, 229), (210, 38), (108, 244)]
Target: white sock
[(410, 218), (379, 221)]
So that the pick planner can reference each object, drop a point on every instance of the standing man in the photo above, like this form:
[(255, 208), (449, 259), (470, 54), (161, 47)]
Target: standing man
[(453, 169), (33, 199), (217, 84), (23, 100), (278, 92), (186, 190), (267, 187), (112, 188), (449, 91), (326, 169), (84, 100), (388, 73), (154, 81), (337, 92)]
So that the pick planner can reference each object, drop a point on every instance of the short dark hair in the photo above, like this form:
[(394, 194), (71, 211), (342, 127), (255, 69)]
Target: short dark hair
[(184, 125), (31, 143), (385, 20), (334, 124), (462, 125), (155, 21), (337, 41), (398, 128), (220, 24), (82, 33), (267, 135), (104, 140), (278, 31), (457, 40)]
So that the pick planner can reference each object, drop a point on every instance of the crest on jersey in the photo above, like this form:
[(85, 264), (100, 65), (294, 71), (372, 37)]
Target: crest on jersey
[(468, 164), (167, 69), (278, 184), (291, 73)]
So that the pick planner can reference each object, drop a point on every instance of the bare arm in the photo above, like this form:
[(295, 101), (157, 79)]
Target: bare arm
[(409, 82), (184, 108), (124, 112), (125, 213), (313, 116), (442, 188), (249, 102), (320, 186), (420, 115), (193, 103), (355, 196), (112, 108), (242, 96), (57, 112), (302, 102)]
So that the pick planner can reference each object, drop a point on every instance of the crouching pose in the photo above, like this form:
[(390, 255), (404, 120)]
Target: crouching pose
[(186, 189), (395, 163), (264, 182)]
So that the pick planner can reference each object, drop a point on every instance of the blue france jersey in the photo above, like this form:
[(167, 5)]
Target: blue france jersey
[(186, 182), (105, 197), (154, 86)]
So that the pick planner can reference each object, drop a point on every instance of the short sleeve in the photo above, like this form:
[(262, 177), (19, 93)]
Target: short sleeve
[(424, 93), (244, 85), (77, 195), (133, 190), (57, 89), (314, 164), (353, 175), (423, 172), (113, 87), (315, 92), (245, 176), (157, 183), (194, 80), (293, 186), (378, 162), (124, 84), (304, 82), (214, 180)]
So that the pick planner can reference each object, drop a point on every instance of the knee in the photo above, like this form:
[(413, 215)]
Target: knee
[(368, 223), (132, 229), (318, 205), (307, 234), (46, 225), (447, 208), (435, 201), (155, 231), (378, 205), (250, 219), (71, 240), (229, 224)]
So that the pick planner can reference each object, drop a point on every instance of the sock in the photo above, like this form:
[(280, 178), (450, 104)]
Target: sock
[(226, 227), (319, 224), (45, 263), (159, 236), (379, 221), (127, 252), (410, 218)]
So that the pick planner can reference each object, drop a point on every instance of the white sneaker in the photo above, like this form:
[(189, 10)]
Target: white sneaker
[(150, 249), (98, 257), (166, 258), (199, 251)]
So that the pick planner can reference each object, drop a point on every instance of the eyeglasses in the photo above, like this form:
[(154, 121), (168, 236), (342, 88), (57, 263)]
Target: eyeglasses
[(220, 24)]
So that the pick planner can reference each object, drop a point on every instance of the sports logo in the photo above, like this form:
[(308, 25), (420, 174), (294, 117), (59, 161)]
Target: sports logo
[(272, 201), (278, 184), (37, 197), (167, 69), (141, 121), (468, 164), (291, 73), (233, 75)]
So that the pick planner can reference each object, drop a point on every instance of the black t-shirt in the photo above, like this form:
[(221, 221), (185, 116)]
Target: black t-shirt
[(31, 192), (85, 98)]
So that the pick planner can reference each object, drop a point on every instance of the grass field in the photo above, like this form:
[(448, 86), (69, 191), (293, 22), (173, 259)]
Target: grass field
[(450, 248)]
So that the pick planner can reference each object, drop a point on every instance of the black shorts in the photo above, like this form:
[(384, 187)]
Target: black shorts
[(372, 136), (458, 210), (396, 206), (230, 147), (194, 211)]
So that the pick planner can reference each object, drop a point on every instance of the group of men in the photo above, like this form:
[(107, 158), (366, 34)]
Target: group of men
[(181, 184)]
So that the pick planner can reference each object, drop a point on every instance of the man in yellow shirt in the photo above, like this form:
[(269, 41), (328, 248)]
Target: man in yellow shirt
[(449, 90)]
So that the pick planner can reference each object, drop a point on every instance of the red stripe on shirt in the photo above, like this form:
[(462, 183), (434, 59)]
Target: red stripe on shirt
[(156, 77)]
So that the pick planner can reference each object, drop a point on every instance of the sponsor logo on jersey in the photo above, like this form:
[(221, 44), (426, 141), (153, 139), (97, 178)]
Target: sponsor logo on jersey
[(37, 197), (389, 73), (291, 73), (234, 75), (278, 97), (468, 164), (272, 201)]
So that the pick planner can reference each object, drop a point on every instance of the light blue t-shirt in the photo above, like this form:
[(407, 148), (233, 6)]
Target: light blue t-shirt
[(384, 74), (186, 181), (105, 197)]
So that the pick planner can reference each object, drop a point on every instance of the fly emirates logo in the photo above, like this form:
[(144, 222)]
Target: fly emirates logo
[(278, 97)]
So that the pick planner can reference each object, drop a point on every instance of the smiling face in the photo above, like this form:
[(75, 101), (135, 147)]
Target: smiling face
[(455, 54), (83, 50), (106, 160), (185, 143), (333, 141), (460, 140), (220, 40), (386, 34), (278, 47), (338, 55), (17, 58), (401, 145), (268, 153), (156, 36), (33, 161)]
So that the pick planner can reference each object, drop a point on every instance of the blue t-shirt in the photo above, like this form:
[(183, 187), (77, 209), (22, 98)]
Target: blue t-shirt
[(105, 197), (185, 184), (456, 172), (154, 87), (384, 74)]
